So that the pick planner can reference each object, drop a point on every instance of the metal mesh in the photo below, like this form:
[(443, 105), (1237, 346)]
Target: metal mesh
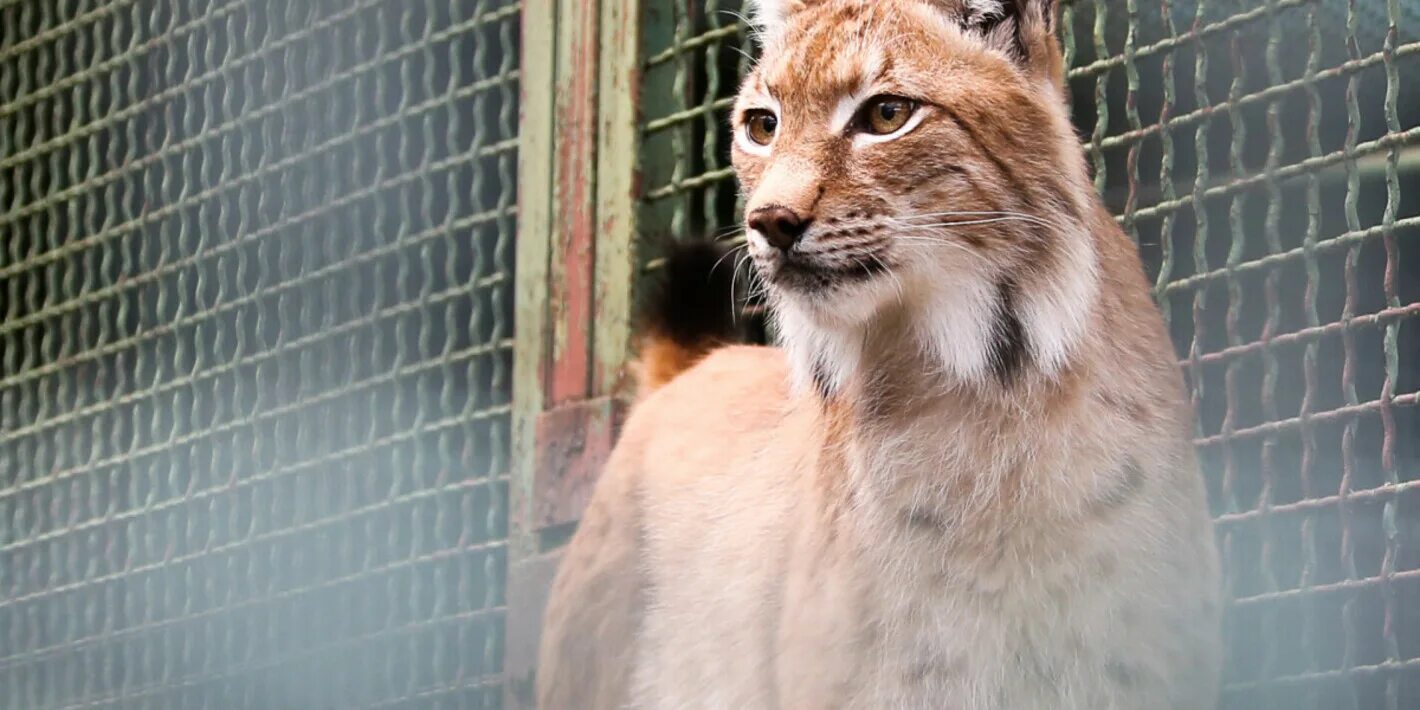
[(1257, 151), (255, 322), (694, 62)]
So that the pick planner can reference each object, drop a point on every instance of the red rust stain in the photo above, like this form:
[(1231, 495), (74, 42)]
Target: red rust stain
[(573, 296)]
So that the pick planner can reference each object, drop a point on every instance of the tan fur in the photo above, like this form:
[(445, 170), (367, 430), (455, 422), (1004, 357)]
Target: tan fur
[(914, 503), (661, 359)]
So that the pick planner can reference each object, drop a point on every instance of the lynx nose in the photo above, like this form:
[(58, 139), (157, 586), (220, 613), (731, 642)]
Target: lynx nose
[(781, 226)]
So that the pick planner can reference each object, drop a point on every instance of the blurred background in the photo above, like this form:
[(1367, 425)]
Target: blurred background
[(313, 314)]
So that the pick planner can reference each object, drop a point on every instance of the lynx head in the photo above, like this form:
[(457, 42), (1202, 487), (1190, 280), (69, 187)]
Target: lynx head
[(911, 162)]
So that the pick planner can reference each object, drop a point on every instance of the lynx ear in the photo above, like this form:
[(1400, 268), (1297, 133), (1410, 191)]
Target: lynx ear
[(770, 16), (1024, 29)]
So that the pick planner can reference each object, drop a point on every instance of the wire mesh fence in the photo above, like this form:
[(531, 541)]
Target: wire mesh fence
[(1257, 151), (255, 351), (256, 320)]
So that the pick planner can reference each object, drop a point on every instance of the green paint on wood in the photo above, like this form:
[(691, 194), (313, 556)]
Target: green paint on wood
[(535, 176), (617, 185)]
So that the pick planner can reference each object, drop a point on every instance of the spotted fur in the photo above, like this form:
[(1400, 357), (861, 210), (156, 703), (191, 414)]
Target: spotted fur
[(964, 478)]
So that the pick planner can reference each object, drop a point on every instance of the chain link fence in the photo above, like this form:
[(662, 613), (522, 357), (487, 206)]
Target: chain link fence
[(255, 350), (1257, 151)]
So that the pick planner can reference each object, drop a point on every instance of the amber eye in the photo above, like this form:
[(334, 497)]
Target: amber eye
[(885, 114), (760, 126)]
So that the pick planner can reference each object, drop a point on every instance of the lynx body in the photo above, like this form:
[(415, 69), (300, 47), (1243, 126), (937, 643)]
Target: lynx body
[(965, 478)]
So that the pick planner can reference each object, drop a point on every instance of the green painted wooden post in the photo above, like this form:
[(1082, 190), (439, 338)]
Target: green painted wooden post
[(531, 339), (576, 267), (618, 187), (531, 342)]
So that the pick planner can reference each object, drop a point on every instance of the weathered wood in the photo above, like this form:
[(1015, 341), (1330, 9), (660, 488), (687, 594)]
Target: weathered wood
[(531, 341), (574, 200), (574, 441), (576, 273), (618, 187)]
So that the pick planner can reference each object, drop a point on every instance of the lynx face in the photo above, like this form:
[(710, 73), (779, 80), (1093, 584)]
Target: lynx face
[(914, 156)]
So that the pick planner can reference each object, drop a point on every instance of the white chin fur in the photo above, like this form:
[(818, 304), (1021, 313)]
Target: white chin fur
[(848, 307), (823, 332), (819, 355), (954, 326), (1056, 312)]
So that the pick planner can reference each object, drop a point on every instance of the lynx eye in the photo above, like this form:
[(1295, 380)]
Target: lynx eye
[(760, 126), (882, 115)]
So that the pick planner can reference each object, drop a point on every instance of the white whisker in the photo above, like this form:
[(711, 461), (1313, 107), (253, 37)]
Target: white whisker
[(734, 280), (1001, 214), (727, 255), (935, 241), (968, 223), (896, 280)]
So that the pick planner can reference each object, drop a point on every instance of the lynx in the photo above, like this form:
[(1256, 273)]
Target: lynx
[(964, 479)]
